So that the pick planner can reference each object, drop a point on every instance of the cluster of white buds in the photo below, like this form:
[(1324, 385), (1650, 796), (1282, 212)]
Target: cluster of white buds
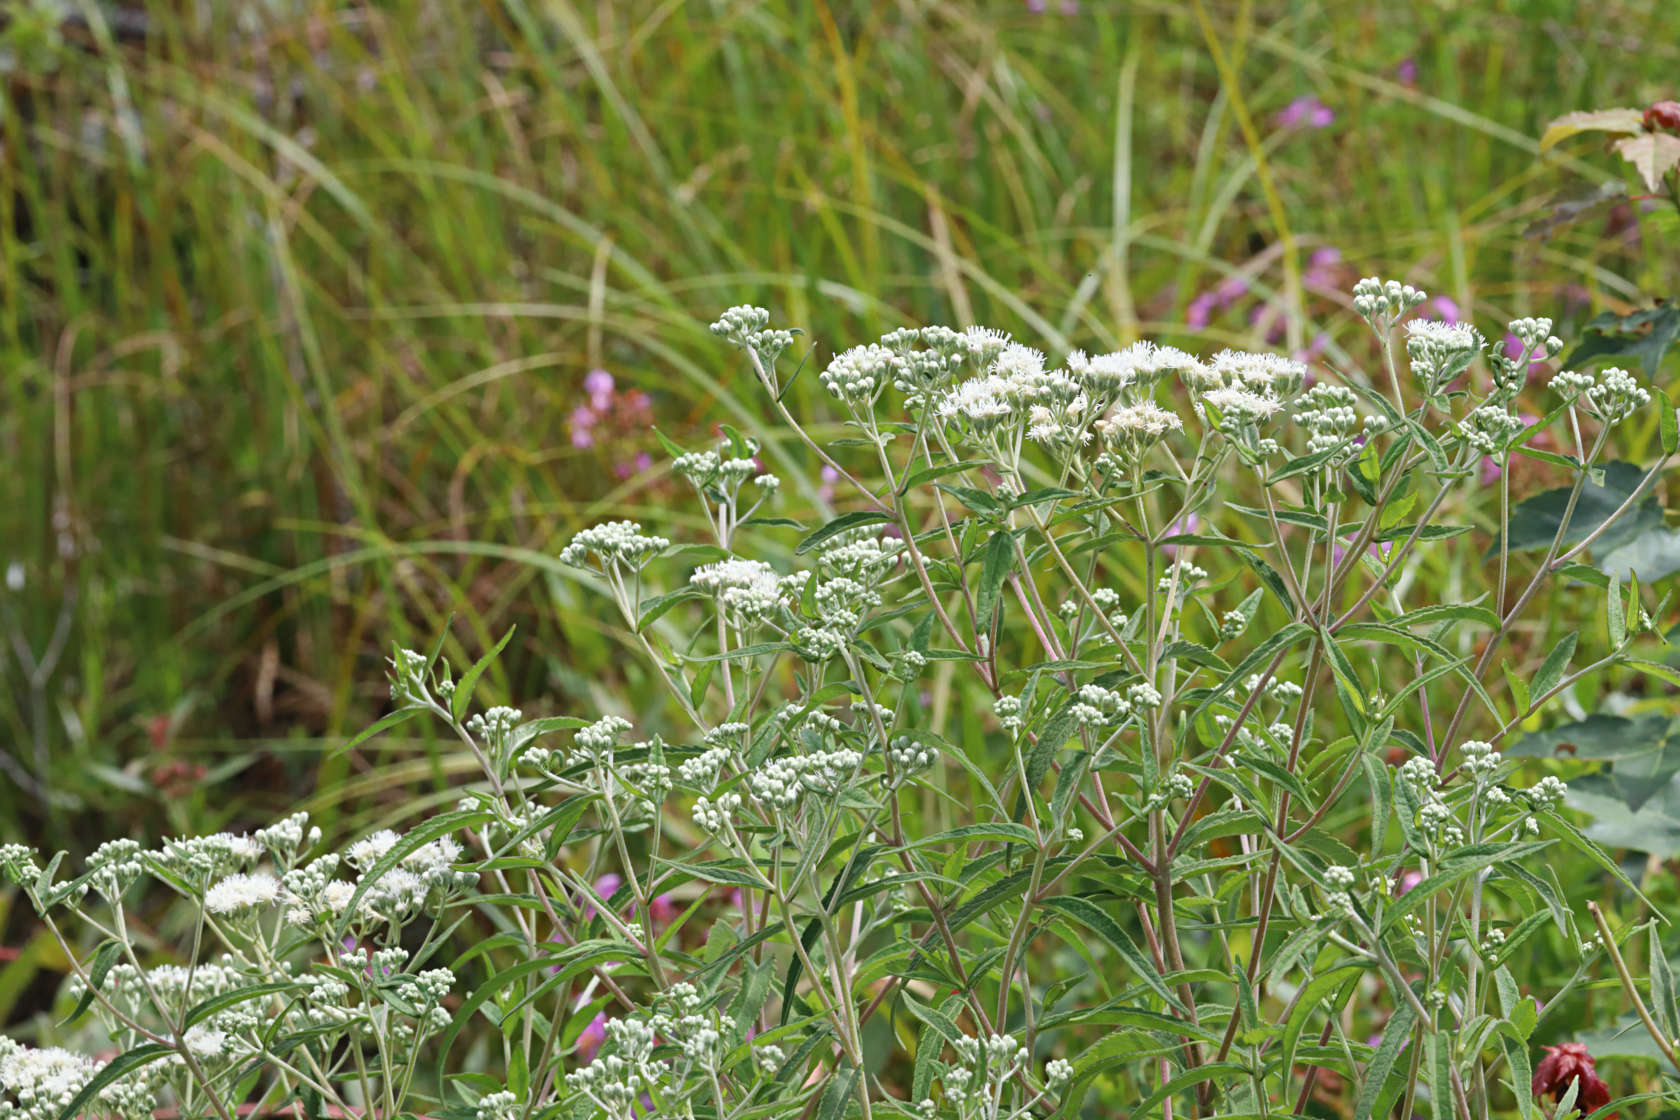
[(1547, 794), (288, 838), (1184, 573), (859, 375), (983, 1069), (1434, 815), (1178, 784), (715, 816), (1339, 881), (599, 739), (910, 755), (1480, 759), (1008, 710), (494, 726), (1382, 302), (1510, 373), (1616, 396), (1440, 351), (782, 782), (114, 867), (613, 543), (19, 864), (1143, 696), (1327, 412), (498, 1106), (749, 327), (1491, 428), (1096, 706)]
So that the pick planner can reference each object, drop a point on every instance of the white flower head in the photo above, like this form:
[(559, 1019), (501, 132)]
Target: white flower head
[(1241, 405), (238, 893), (1267, 374), (367, 851)]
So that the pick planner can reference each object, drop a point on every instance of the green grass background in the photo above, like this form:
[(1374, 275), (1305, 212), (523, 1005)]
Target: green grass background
[(296, 299)]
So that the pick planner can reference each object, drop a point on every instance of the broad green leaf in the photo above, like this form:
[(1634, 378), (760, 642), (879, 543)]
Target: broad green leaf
[(1535, 520)]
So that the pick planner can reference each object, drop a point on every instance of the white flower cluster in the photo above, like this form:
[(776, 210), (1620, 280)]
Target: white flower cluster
[(781, 782), (749, 590), (425, 877), (613, 542), (715, 816), (1327, 412), (1097, 706), (1434, 815), (240, 894), (859, 375), (1616, 396), (1339, 881), (1381, 303), (749, 327), (910, 755), (1491, 428), (40, 1084), (982, 1069), (1440, 351)]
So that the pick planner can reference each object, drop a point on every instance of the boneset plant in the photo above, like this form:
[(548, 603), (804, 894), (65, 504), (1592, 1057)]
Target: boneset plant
[(1120, 750)]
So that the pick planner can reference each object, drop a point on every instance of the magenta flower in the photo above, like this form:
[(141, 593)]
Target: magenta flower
[(589, 1042), (829, 477), (662, 908), (605, 887), (1200, 311), (598, 383), (1407, 71), (1306, 111), (583, 426), (1490, 471), (1322, 268), (1408, 880), (1446, 308), (627, 467), (1189, 523)]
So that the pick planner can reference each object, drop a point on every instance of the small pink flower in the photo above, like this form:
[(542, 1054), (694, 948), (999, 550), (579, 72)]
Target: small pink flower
[(1199, 312), (589, 1042), (1447, 308), (1490, 471), (605, 887), (1230, 289), (1306, 111), (626, 468), (598, 383), (829, 477), (1407, 71), (1408, 880), (662, 908), (583, 426), (1189, 523)]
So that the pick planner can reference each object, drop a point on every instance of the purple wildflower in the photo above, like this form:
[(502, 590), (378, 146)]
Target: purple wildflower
[(1306, 111), (598, 383)]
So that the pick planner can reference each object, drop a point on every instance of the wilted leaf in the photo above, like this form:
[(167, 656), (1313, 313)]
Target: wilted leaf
[(1591, 120), (1652, 155)]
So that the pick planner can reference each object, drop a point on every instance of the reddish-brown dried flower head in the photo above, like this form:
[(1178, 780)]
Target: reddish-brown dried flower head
[(1561, 1066), (1663, 116)]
